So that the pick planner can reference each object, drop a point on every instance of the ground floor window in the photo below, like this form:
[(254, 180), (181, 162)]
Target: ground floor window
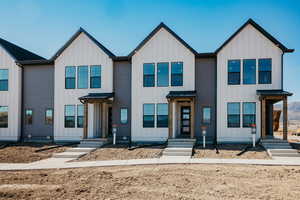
[(69, 116), (249, 113), (28, 116), (148, 115), (80, 114), (124, 115), (49, 116), (162, 115), (233, 115), (3, 116)]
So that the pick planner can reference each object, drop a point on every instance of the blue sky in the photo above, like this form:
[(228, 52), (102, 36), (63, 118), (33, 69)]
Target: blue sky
[(44, 26)]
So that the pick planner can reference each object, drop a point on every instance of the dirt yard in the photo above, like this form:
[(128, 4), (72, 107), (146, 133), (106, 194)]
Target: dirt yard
[(26, 152), (154, 182), (231, 151), (121, 152)]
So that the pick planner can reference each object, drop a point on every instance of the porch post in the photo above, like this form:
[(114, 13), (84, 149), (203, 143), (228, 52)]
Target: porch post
[(170, 121), (192, 118), (85, 121), (285, 119), (263, 118)]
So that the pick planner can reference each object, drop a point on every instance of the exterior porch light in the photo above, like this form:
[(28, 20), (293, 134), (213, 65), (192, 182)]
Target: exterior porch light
[(253, 132), (114, 131), (203, 128)]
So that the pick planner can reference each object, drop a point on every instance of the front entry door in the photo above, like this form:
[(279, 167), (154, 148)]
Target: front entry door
[(185, 121)]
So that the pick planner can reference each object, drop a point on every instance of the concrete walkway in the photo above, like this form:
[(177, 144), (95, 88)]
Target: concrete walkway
[(62, 163)]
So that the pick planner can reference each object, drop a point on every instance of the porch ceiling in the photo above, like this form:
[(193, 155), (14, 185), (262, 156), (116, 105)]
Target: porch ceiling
[(273, 95)]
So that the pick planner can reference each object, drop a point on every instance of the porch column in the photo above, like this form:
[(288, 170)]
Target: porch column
[(85, 121), (285, 119), (192, 118), (103, 120), (263, 118), (170, 121)]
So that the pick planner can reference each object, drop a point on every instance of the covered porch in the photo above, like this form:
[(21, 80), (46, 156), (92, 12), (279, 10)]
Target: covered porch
[(100, 124), (268, 98), (181, 122)]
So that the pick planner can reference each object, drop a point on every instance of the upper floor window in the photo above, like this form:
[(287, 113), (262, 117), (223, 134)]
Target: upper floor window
[(265, 71), (70, 116), (49, 116), (233, 115), (83, 76), (162, 115), (249, 71), (234, 72), (206, 115), (28, 116), (148, 115), (149, 74), (70, 74), (177, 74), (80, 116), (95, 79), (249, 110), (124, 115), (162, 74), (3, 79), (3, 116)]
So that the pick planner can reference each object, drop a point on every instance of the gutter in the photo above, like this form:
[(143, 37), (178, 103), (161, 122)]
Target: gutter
[(216, 102)]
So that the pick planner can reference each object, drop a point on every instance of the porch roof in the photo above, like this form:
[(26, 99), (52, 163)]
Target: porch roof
[(181, 94), (273, 93), (96, 97)]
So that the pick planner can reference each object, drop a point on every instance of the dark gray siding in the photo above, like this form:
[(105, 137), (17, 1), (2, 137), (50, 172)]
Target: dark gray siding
[(206, 95), (38, 95), (122, 98)]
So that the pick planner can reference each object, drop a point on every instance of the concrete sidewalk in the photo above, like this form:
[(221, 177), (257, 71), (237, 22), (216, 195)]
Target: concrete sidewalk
[(59, 163)]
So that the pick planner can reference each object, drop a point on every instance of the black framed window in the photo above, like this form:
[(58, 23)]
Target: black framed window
[(124, 115), (162, 74), (206, 115), (249, 71), (3, 116), (148, 115), (3, 79), (80, 116), (234, 72), (95, 79), (70, 77), (149, 75), (162, 115), (177, 74), (265, 71), (28, 116), (69, 116), (82, 77), (233, 115), (49, 116), (249, 114)]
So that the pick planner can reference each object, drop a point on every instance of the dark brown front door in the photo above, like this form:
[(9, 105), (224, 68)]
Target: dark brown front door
[(185, 121)]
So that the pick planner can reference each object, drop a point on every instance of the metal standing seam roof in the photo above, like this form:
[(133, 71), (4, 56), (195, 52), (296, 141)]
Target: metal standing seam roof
[(97, 96), (273, 93), (178, 94)]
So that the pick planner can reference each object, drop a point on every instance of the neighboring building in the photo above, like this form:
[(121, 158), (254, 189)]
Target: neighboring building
[(162, 89)]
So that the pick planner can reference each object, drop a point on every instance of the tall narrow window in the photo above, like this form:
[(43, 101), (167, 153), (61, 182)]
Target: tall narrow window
[(3, 116), (80, 114), (162, 74), (249, 71), (28, 116), (177, 74), (265, 71), (49, 116), (162, 115), (148, 115), (206, 115), (70, 116), (70, 77), (82, 77), (149, 74), (124, 115), (95, 80), (233, 115), (234, 72), (249, 113), (3, 79)]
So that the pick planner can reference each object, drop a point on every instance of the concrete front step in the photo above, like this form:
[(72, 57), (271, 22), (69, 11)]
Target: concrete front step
[(283, 150), (177, 153), (168, 149), (285, 154), (181, 140), (181, 143), (89, 146), (277, 147), (81, 149), (73, 155)]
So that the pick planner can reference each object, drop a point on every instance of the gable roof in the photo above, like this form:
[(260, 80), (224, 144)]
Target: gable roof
[(81, 30), (18, 53), (262, 31), (160, 26)]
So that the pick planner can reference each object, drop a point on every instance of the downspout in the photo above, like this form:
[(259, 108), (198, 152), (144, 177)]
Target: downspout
[(216, 103), (21, 139), (282, 70)]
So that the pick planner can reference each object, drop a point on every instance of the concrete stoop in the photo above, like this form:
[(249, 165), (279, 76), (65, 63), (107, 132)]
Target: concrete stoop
[(74, 153), (277, 148), (93, 143), (179, 148)]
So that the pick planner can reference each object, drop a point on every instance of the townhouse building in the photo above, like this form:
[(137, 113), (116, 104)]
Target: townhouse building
[(163, 89)]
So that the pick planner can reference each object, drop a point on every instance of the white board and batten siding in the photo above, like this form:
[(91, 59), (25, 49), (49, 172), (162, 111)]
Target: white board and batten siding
[(11, 98), (162, 47), (82, 51), (248, 44)]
